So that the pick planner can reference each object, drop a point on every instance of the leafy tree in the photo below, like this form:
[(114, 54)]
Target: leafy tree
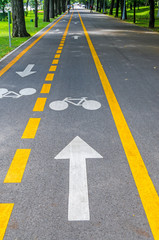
[(3, 4), (19, 28)]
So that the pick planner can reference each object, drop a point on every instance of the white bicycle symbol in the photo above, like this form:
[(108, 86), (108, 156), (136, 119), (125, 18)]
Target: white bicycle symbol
[(10, 94), (86, 104)]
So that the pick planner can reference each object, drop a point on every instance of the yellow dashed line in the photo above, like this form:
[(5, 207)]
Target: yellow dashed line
[(45, 88), (39, 105), (49, 77), (5, 213), (52, 68), (60, 48), (55, 61), (31, 128), (59, 51), (17, 167), (57, 56), (61, 44)]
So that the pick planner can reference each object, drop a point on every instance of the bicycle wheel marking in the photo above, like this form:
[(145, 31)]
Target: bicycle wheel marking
[(4, 93), (79, 102)]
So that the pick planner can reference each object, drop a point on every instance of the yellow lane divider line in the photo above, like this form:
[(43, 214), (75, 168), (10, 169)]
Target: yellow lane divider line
[(144, 184), (52, 68), (5, 213), (9, 65), (46, 88), (55, 61), (31, 128), (49, 77), (17, 167), (39, 105)]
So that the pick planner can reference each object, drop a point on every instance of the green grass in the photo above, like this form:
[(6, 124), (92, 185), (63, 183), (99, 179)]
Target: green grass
[(142, 17), (4, 35)]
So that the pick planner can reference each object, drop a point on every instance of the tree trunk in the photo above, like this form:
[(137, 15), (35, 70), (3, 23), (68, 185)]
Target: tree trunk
[(59, 6), (46, 11), (27, 3), (122, 6), (52, 10), (117, 8), (131, 6), (36, 13), (63, 5), (19, 28), (55, 7), (97, 5), (152, 18), (134, 11), (111, 7)]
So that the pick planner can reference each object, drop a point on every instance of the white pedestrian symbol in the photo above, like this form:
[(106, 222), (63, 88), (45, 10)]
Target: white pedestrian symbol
[(4, 93), (79, 102)]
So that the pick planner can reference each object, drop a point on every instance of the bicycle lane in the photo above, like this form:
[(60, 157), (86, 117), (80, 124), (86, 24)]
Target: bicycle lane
[(18, 100), (112, 202), (144, 184)]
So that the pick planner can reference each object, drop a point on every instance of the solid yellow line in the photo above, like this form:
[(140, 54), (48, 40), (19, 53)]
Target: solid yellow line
[(45, 88), (9, 65), (52, 68), (17, 167), (144, 184), (39, 105), (31, 128), (5, 213), (49, 77)]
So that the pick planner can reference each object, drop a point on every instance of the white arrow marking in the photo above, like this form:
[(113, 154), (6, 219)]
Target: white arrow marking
[(78, 151), (57, 30), (27, 71), (75, 37), (75, 22)]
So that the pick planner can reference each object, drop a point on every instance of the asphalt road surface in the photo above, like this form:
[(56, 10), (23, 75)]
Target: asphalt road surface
[(79, 132)]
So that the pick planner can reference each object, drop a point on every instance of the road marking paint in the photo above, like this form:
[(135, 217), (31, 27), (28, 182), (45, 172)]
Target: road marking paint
[(52, 68), (49, 77), (59, 51), (17, 167), (45, 88), (78, 151), (60, 48), (27, 71), (5, 213), (57, 56), (10, 64), (31, 128), (61, 44), (39, 105), (55, 61), (144, 184)]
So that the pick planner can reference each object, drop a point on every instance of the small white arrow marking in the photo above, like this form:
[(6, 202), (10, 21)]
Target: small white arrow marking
[(57, 30), (78, 151), (75, 22), (27, 71), (75, 37)]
